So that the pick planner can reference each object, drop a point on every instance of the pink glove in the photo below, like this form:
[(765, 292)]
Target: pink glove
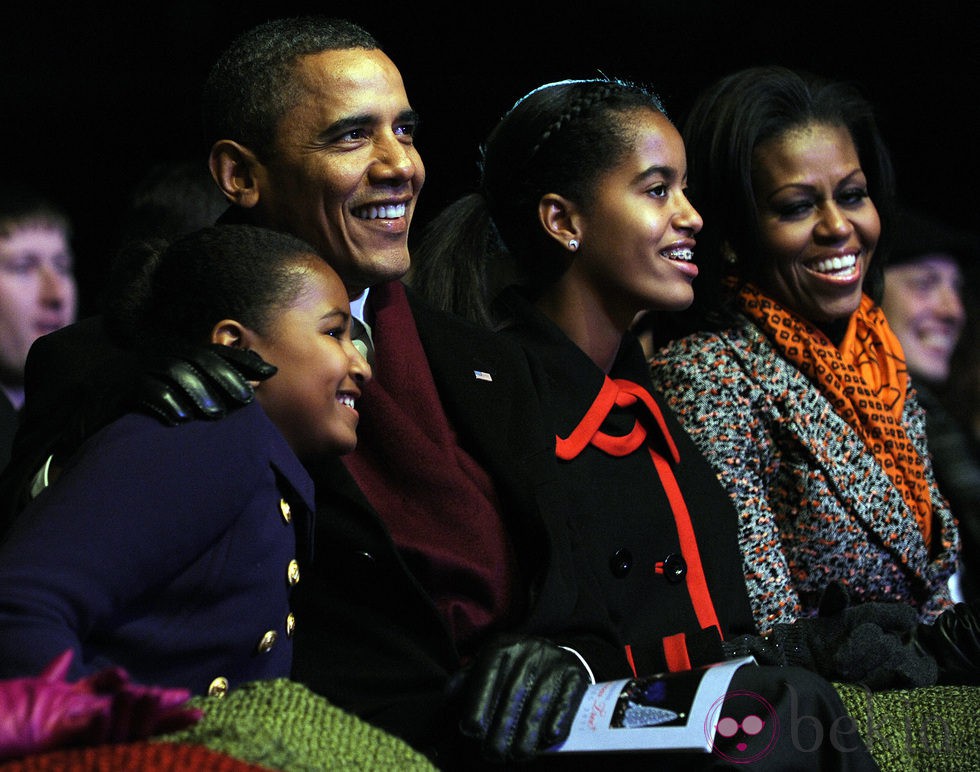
[(47, 712)]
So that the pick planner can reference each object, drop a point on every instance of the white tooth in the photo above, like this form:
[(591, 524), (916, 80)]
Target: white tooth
[(388, 212), (837, 263)]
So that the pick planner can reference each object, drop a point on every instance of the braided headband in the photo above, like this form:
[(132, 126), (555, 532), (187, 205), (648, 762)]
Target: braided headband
[(604, 88)]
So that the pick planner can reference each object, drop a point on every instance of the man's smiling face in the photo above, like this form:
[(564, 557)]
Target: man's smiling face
[(343, 172)]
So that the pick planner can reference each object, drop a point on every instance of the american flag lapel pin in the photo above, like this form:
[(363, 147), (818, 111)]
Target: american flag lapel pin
[(482, 376)]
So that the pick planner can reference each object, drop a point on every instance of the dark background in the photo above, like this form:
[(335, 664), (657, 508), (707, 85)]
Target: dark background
[(92, 96)]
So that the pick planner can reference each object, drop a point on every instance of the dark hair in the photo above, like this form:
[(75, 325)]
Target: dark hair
[(252, 84), (171, 199), (917, 233), (21, 205), (559, 139), (726, 124), (179, 291)]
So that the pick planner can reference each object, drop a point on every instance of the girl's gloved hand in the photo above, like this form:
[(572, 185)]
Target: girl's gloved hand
[(47, 712), (520, 696)]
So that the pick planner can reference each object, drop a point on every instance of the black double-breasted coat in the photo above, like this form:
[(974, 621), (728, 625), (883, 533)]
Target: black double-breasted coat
[(371, 639)]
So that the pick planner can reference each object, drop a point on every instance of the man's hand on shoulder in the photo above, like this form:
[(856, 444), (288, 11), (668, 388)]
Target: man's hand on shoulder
[(193, 382)]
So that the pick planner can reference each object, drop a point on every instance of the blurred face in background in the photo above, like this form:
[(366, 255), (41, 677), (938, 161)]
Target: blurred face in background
[(37, 292), (924, 306)]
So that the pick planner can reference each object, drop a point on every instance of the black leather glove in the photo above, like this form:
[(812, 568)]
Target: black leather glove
[(953, 640), (865, 643), (520, 696), (183, 384)]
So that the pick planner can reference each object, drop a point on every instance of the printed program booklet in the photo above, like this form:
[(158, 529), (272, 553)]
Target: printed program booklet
[(667, 711)]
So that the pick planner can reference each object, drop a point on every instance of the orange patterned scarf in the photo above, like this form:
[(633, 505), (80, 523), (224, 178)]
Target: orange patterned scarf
[(864, 379)]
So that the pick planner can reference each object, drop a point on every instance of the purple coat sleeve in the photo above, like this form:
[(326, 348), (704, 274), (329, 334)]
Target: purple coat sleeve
[(155, 544)]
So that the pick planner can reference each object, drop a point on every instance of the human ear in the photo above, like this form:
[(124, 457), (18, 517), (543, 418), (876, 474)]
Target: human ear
[(561, 220), (234, 334), (229, 332), (235, 168)]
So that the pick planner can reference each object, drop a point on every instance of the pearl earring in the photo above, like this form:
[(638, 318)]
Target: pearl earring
[(573, 244)]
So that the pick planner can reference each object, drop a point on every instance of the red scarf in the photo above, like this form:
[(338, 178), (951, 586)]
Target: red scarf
[(865, 380)]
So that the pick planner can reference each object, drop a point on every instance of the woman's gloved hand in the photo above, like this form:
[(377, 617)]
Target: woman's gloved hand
[(866, 643), (519, 696), (953, 640)]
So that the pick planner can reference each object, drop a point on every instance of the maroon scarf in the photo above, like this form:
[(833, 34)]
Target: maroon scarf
[(437, 501)]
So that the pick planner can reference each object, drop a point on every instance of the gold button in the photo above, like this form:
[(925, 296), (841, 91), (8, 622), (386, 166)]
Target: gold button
[(287, 513), (268, 641), (292, 573), (290, 624), (218, 687)]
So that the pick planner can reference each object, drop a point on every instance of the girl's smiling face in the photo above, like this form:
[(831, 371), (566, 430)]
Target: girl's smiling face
[(637, 231), (817, 224), (312, 396)]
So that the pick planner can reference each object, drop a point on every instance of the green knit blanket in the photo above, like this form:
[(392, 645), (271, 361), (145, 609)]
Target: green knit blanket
[(282, 725), (931, 728)]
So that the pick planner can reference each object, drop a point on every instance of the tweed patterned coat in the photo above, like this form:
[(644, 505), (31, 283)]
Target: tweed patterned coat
[(814, 504)]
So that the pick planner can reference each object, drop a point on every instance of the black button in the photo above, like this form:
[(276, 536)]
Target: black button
[(621, 562), (675, 567)]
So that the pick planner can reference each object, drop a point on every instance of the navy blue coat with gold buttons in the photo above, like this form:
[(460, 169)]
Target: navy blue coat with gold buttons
[(166, 550)]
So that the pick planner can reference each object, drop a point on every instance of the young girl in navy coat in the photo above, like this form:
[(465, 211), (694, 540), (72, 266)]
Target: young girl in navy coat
[(172, 550)]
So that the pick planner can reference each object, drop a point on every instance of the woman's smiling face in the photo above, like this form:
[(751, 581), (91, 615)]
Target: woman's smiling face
[(817, 224)]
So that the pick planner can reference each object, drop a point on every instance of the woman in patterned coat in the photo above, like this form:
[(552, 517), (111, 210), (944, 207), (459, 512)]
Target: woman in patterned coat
[(793, 385)]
